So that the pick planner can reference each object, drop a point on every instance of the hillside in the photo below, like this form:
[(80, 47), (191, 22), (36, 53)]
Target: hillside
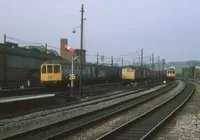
[(180, 65)]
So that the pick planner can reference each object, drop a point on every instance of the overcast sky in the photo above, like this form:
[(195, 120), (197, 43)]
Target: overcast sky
[(169, 28)]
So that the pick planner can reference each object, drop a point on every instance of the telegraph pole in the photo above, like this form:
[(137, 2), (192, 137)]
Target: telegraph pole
[(142, 62), (122, 61), (4, 38), (111, 60), (159, 66), (97, 59), (152, 61), (81, 54), (142, 58), (158, 62), (5, 61), (163, 63), (46, 48)]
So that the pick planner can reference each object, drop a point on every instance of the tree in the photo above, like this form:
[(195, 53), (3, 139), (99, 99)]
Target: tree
[(35, 48), (52, 52), (41, 49)]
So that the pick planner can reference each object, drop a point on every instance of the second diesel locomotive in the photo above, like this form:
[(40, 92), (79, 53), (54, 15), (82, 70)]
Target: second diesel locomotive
[(132, 74)]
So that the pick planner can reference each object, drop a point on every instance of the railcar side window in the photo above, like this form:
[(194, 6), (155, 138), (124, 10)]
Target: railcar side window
[(88, 70), (101, 72), (44, 69), (49, 69), (56, 69)]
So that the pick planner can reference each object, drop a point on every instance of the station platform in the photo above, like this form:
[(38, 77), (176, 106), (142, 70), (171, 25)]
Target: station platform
[(12, 99), (17, 89)]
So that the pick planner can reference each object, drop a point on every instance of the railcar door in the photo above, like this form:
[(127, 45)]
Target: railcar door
[(119, 73), (101, 72), (87, 72), (93, 72)]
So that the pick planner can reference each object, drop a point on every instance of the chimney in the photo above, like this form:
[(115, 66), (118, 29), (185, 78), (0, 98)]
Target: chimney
[(66, 55)]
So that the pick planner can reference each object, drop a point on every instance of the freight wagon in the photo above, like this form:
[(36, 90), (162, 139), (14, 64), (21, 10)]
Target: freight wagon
[(142, 73), (185, 73), (18, 65), (191, 72)]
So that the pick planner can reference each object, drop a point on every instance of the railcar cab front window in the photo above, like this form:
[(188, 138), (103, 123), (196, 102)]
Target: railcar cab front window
[(49, 69), (124, 70), (128, 70), (56, 69), (44, 69)]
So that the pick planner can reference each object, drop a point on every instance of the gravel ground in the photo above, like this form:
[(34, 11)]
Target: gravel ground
[(110, 124), (32, 121), (186, 124), (47, 112)]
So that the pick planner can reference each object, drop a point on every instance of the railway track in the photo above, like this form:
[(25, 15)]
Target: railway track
[(146, 124), (18, 91), (40, 89), (55, 131), (8, 111)]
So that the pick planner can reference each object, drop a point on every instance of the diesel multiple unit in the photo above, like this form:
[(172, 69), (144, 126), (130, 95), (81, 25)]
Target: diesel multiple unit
[(57, 72)]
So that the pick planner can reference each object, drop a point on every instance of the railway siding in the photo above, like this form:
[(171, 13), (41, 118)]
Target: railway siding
[(85, 103), (39, 119), (186, 124), (110, 124)]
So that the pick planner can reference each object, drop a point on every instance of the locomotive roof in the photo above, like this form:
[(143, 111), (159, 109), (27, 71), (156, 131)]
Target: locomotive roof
[(169, 69), (64, 62), (56, 61), (135, 67)]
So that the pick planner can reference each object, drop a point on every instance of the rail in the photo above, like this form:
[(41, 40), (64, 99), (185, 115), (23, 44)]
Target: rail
[(8, 111), (55, 131), (143, 126)]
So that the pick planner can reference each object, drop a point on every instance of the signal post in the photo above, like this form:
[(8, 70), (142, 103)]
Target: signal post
[(72, 76)]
